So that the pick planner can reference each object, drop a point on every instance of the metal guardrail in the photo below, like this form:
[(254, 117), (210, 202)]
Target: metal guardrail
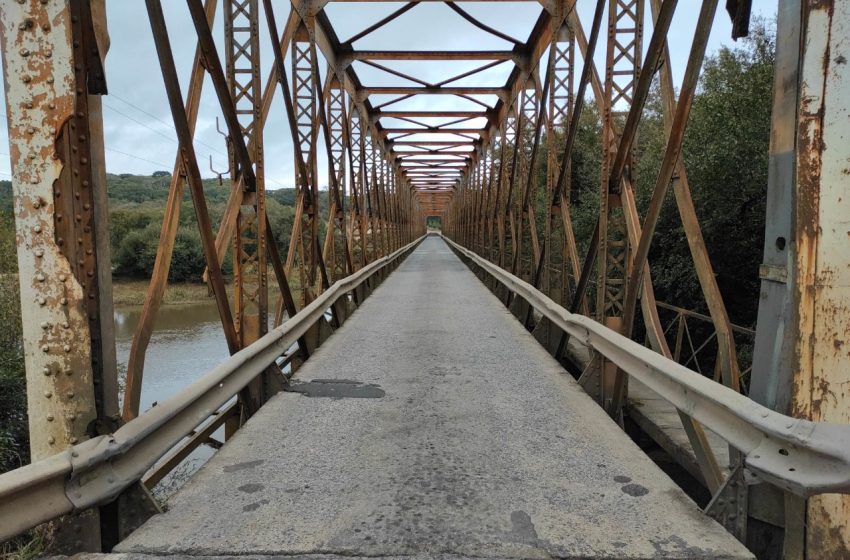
[(800, 456), (98, 470)]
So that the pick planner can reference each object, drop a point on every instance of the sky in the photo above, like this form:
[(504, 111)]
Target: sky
[(139, 134)]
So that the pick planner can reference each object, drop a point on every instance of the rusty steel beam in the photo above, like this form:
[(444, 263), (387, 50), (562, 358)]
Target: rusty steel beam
[(430, 55)]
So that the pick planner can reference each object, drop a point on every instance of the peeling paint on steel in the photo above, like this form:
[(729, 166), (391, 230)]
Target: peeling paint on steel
[(37, 56), (822, 383)]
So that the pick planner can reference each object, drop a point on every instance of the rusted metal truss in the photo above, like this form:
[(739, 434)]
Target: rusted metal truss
[(388, 168)]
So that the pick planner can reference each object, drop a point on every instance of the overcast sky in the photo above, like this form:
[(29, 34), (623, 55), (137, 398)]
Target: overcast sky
[(139, 135)]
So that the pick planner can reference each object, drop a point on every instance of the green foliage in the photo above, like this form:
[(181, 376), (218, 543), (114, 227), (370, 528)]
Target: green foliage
[(14, 436), (137, 206)]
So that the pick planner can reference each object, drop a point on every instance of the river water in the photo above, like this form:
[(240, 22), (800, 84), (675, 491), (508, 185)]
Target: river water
[(187, 342)]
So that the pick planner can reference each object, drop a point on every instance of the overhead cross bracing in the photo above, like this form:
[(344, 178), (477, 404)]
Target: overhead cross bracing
[(428, 138)]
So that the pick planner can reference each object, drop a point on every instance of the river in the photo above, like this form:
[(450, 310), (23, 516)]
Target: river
[(187, 342)]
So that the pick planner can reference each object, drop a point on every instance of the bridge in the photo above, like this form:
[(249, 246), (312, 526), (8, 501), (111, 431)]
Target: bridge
[(448, 371)]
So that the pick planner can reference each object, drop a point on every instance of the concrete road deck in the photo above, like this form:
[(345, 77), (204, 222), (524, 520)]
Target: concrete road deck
[(449, 432)]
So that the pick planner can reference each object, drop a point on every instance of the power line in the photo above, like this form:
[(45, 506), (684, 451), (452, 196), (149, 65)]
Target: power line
[(125, 115), (165, 165), (170, 126)]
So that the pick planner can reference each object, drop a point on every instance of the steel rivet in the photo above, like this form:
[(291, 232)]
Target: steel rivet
[(66, 326), (70, 394), (37, 229), (45, 370), (63, 301), (45, 325), (73, 440), (48, 394), (26, 79), (66, 348), (50, 418), (74, 454), (51, 440), (71, 417), (30, 105), (45, 349), (48, 54), (69, 371), (30, 130), (39, 253), (41, 301), (50, 80), (25, 52), (40, 277), (62, 277)]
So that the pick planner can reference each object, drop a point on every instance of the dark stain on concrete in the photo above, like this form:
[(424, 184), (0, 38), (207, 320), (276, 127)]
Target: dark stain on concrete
[(622, 479), (337, 389), (677, 546), (635, 490), (243, 466), (255, 506), (523, 526), (250, 488)]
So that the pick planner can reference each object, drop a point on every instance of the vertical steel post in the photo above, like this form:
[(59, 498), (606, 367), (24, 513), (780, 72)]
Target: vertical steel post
[(622, 67), (242, 65), (801, 353), (52, 59)]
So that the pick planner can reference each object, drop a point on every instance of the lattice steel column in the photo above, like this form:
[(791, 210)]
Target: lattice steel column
[(242, 60), (357, 223), (336, 236), (560, 240), (623, 62), (304, 241), (494, 233), (507, 223), (526, 234)]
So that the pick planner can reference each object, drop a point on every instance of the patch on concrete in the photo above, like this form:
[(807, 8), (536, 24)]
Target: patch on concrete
[(622, 479), (255, 506), (635, 490), (251, 487), (337, 389), (242, 466), (523, 526)]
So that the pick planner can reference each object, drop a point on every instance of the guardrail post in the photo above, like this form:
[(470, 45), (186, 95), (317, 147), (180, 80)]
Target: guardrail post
[(802, 352)]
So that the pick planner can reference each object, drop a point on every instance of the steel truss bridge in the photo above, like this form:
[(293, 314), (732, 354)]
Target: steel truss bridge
[(400, 406)]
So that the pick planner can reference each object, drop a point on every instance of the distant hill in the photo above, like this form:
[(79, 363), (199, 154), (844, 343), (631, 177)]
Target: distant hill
[(136, 206)]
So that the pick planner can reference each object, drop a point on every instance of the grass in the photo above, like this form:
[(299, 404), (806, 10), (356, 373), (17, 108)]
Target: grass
[(28, 546), (132, 292)]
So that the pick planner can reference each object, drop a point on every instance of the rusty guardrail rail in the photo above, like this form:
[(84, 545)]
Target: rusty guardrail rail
[(96, 471), (800, 456)]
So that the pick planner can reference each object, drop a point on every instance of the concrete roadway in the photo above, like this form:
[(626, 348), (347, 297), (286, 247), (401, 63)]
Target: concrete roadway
[(438, 427)]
